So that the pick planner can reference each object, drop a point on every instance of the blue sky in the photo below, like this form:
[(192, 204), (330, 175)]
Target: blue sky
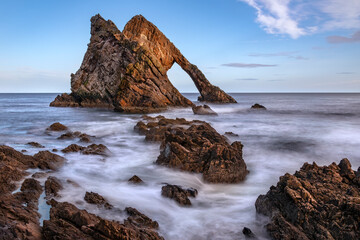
[(240, 45)]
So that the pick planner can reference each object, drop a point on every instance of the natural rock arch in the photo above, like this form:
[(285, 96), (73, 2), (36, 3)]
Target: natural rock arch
[(127, 71)]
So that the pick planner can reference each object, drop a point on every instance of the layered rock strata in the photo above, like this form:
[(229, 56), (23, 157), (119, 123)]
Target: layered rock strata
[(314, 203), (127, 71)]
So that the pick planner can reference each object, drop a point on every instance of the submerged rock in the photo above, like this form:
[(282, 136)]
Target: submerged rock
[(179, 194), (68, 222), (135, 179), (248, 233), (94, 149), (126, 71), (258, 106), (231, 134), (35, 144), (203, 110), (57, 127), (314, 203)]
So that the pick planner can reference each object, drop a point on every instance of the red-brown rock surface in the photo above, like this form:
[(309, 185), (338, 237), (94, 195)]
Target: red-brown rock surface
[(314, 203), (195, 146), (68, 222), (126, 71)]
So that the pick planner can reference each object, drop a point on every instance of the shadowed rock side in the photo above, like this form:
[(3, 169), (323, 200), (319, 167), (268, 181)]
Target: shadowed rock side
[(314, 203), (127, 71), (195, 146)]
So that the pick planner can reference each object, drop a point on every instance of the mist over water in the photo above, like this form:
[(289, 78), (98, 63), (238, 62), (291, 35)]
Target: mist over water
[(296, 128)]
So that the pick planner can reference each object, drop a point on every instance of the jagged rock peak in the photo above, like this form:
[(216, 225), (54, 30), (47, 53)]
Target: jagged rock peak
[(126, 71)]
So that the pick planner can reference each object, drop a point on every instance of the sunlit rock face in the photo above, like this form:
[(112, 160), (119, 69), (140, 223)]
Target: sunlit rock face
[(127, 71)]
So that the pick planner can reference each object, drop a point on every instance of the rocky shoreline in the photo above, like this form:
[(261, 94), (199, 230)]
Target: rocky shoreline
[(127, 72)]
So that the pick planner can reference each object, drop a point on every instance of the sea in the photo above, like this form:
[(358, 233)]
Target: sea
[(295, 128)]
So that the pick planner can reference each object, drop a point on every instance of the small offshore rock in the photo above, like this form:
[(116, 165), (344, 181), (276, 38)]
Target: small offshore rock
[(231, 134), (57, 127), (247, 232), (35, 144), (203, 110), (135, 179), (258, 106), (67, 136), (178, 194)]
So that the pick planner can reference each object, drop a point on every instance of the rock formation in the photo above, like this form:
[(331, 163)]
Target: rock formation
[(195, 146), (314, 203), (126, 71), (258, 106)]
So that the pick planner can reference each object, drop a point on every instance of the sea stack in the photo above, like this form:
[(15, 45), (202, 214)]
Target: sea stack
[(127, 71)]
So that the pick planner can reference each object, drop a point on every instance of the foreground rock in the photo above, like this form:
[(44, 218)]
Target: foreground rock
[(203, 110), (93, 149), (314, 203), (127, 71), (19, 218), (258, 106), (195, 146), (68, 222), (179, 194), (52, 187)]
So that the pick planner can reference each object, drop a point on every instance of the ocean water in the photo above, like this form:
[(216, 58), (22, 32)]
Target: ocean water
[(296, 128)]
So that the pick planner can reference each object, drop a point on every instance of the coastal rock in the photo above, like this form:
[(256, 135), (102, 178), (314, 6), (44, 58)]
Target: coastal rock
[(83, 137), (179, 194), (52, 187), (68, 222), (49, 160), (248, 233), (42, 160), (231, 134), (35, 144), (95, 198), (203, 110), (19, 218), (258, 106), (136, 180), (195, 146), (57, 127), (140, 220), (127, 71), (94, 149), (314, 203)]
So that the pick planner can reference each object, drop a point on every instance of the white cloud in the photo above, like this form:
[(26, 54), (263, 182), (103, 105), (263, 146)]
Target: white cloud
[(343, 14), (301, 17), (275, 17)]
